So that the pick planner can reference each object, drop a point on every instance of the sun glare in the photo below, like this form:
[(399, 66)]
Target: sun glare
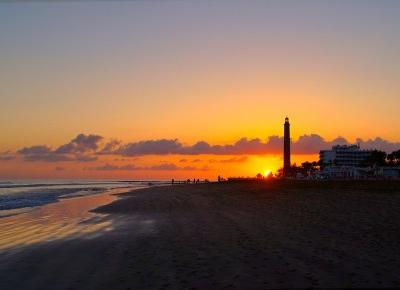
[(267, 172)]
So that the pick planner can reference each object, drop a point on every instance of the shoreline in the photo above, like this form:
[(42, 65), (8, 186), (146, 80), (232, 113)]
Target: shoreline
[(24, 196), (245, 235), (69, 217)]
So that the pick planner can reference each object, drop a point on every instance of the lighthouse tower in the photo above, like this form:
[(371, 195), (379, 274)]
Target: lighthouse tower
[(286, 148)]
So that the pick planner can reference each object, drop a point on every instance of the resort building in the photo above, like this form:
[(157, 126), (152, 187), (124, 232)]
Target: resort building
[(344, 155)]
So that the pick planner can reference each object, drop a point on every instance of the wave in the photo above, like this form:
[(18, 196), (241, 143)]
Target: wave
[(39, 197), (21, 194)]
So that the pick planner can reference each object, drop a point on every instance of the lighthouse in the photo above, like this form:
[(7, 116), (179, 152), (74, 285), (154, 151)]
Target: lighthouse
[(286, 148)]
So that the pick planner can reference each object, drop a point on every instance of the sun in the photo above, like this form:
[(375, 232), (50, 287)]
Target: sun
[(267, 172)]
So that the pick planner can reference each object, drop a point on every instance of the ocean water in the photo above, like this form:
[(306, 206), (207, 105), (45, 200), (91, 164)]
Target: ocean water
[(35, 213), (21, 195)]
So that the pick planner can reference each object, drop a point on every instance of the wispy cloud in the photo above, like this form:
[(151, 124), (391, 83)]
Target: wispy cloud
[(7, 156), (47, 157), (111, 167), (230, 160), (132, 167)]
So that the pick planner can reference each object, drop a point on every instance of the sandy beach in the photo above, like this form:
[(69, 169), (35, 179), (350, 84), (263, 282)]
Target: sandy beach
[(254, 235)]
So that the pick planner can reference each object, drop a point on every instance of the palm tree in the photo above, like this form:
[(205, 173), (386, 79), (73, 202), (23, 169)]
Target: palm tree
[(391, 159)]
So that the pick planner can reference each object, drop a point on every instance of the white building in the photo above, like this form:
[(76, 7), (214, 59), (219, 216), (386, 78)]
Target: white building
[(344, 155)]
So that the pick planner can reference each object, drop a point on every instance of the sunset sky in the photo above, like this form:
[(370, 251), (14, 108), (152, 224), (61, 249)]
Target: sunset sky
[(166, 89)]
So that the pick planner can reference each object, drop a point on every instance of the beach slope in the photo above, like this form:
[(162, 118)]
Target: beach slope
[(245, 235)]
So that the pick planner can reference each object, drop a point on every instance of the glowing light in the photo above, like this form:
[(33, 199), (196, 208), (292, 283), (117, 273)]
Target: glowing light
[(267, 172)]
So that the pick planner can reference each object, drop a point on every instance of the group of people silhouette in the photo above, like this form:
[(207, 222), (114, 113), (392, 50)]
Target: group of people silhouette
[(189, 181)]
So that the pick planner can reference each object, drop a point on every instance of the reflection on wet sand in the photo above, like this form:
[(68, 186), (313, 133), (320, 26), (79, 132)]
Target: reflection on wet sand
[(69, 218)]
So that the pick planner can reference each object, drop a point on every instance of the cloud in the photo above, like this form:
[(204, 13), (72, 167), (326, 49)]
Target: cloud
[(243, 146), (156, 147), (230, 160), (42, 153), (126, 159), (272, 145), (379, 143), (110, 146), (310, 144), (7, 156), (132, 167), (234, 160), (84, 148), (58, 168), (78, 149), (105, 167), (200, 146), (85, 158), (80, 144), (165, 166), (305, 144), (111, 167), (33, 150), (47, 157)]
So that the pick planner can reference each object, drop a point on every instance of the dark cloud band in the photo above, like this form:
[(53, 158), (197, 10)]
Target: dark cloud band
[(132, 167), (306, 144), (86, 148)]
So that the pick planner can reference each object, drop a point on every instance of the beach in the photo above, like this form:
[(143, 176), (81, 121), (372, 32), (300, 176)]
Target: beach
[(244, 235)]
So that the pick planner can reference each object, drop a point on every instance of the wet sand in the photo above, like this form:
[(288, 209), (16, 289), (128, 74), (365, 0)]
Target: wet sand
[(227, 236), (67, 219)]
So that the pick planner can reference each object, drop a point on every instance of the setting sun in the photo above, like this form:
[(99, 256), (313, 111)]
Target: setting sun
[(199, 144)]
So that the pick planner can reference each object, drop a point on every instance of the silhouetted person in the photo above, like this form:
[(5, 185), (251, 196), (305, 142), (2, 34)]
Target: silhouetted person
[(219, 178), (172, 181)]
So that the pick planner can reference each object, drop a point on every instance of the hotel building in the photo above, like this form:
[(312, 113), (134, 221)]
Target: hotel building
[(344, 155)]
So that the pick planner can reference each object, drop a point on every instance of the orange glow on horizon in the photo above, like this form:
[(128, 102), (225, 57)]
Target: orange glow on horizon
[(145, 74), (179, 167)]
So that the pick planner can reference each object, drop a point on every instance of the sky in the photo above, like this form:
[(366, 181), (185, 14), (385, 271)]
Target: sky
[(135, 73)]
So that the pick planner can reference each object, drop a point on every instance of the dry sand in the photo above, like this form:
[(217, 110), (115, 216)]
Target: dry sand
[(228, 236)]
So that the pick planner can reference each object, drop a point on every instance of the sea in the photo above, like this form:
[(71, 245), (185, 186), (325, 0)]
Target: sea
[(37, 212), (18, 196)]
